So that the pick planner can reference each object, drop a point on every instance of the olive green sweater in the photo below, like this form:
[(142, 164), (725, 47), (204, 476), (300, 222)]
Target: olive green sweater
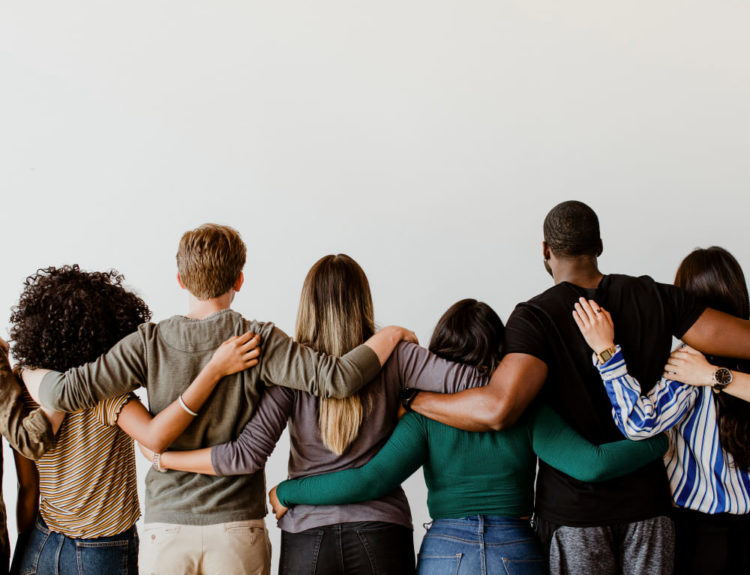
[(474, 473), (165, 358)]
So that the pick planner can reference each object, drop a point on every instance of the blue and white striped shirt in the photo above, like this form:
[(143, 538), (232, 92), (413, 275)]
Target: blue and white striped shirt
[(701, 474)]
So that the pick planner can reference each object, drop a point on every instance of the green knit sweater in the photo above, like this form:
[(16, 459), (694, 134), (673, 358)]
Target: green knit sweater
[(475, 473)]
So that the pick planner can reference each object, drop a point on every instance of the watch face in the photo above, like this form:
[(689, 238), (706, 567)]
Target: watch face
[(723, 376), (605, 355)]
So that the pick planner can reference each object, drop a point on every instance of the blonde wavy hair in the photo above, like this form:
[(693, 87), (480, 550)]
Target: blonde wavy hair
[(336, 315)]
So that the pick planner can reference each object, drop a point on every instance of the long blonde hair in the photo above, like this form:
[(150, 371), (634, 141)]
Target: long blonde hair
[(336, 315)]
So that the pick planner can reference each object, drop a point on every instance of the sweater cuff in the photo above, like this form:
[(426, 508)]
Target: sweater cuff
[(48, 395), (282, 493), (367, 360), (41, 436)]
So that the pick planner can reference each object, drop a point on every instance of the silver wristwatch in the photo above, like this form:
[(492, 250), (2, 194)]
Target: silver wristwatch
[(720, 379)]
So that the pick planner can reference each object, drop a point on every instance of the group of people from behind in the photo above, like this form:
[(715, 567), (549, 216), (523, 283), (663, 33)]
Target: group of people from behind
[(558, 382)]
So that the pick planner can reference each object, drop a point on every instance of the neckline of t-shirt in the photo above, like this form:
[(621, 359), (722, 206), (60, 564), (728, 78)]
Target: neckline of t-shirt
[(605, 277)]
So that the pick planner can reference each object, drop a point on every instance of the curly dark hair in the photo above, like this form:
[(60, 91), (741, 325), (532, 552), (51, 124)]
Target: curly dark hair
[(67, 317)]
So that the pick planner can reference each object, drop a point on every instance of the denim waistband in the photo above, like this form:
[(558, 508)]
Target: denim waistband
[(487, 520), (41, 525)]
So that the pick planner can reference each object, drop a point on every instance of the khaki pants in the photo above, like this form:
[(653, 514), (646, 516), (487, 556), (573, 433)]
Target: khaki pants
[(235, 548)]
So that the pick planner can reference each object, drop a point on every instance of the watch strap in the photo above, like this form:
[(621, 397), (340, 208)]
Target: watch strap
[(406, 397)]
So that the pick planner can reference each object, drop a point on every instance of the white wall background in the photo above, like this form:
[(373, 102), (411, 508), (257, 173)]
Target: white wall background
[(425, 139)]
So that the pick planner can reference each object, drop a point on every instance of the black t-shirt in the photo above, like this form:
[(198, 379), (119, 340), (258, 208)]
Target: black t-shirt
[(646, 316)]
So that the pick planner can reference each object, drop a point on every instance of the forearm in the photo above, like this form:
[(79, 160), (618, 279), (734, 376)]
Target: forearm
[(384, 342), (472, 409), (28, 492), (402, 455), (559, 445), (607, 461), (498, 405), (116, 373), (249, 452), (26, 508), (194, 461), (159, 432), (720, 334), (740, 386), (168, 424), (415, 367), (639, 416), (290, 364)]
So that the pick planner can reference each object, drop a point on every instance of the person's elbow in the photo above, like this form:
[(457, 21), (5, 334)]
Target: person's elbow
[(497, 414), (155, 443)]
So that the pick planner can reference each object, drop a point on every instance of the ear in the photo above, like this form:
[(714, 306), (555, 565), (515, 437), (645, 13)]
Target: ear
[(599, 248), (179, 281), (238, 284), (546, 252)]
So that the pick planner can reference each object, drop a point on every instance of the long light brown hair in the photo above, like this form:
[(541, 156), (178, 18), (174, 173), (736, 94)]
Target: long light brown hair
[(336, 315)]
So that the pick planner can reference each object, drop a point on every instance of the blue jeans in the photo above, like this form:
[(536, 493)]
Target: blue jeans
[(52, 553), (480, 545)]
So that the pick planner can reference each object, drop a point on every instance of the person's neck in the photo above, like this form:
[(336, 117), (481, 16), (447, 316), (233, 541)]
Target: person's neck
[(581, 272), (202, 308)]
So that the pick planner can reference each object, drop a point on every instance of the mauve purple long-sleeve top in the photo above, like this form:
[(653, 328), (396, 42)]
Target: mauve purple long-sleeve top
[(410, 366)]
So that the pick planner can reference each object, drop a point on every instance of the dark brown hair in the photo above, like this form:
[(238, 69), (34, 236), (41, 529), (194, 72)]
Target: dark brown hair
[(469, 332), (715, 276), (210, 259)]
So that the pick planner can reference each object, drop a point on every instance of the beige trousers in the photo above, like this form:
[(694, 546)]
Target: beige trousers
[(235, 548)]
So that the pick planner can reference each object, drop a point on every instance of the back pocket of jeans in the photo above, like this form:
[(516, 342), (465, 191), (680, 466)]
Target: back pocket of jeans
[(439, 564), (524, 566)]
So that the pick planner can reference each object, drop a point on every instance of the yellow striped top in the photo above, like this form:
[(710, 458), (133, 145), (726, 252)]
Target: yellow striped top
[(87, 482)]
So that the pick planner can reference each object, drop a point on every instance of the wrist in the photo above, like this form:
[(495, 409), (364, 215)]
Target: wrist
[(214, 371), (604, 354), (157, 463), (407, 397), (603, 346), (721, 377)]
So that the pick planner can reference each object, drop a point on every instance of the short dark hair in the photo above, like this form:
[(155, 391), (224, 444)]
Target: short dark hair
[(469, 332), (572, 229), (67, 317)]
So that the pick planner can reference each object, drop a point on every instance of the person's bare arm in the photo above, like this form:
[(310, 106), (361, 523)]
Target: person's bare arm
[(718, 333), (498, 405), (28, 492), (691, 367), (157, 432)]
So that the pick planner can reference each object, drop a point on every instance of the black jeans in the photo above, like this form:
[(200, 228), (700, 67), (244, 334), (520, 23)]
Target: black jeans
[(362, 548), (716, 544)]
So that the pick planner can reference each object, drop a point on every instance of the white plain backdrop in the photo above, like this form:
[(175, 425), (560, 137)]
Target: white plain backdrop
[(425, 139)]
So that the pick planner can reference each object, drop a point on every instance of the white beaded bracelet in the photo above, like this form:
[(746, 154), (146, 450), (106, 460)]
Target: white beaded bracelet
[(186, 408), (157, 463)]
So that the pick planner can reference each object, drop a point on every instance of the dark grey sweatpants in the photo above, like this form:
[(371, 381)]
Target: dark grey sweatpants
[(643, 547)]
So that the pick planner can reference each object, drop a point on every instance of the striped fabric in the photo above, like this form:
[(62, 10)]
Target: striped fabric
[(87, 481), (701, 474)]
